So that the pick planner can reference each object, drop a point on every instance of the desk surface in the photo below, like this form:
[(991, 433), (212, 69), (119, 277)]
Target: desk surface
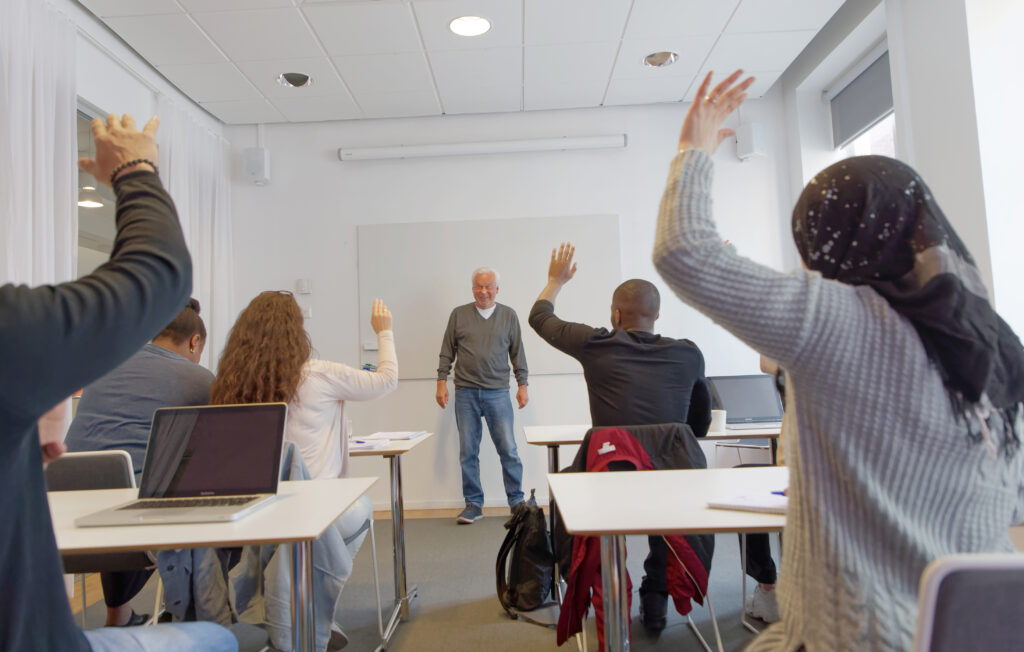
[(301, 512), (621, 502), (394, 447), (574, 434)]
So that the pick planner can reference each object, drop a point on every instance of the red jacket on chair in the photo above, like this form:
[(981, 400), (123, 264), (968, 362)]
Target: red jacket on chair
[(584, 578)]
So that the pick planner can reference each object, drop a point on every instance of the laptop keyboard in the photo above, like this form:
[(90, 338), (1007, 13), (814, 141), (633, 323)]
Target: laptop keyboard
[(216, 501)]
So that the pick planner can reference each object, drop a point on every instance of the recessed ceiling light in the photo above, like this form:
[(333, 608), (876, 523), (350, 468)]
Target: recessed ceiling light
[(470, 26), (660, 59), (294, 79)]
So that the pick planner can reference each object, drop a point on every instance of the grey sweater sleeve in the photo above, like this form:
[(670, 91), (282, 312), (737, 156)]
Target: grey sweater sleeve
[(516, 352), (448, 349), (782, 316)]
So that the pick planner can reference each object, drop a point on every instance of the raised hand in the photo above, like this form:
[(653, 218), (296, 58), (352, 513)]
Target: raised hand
[(119, 142), (562, 269), (380, 318), (702, 126)]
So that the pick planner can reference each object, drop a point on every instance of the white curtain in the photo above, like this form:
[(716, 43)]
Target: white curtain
[(194, 169), (38, 149)]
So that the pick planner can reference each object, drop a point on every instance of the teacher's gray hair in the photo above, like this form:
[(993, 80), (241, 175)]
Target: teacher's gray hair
[(486, 270)]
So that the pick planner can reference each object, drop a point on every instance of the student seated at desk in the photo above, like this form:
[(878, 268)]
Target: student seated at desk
[(905, 387), (634, 377), (116, 411), (267, 358), (55, 339)]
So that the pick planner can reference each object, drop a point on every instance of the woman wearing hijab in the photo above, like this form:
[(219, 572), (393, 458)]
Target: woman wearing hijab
[(904, 387)]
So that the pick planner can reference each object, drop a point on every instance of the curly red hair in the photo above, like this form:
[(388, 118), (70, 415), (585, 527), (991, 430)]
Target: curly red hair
[(266, 349)]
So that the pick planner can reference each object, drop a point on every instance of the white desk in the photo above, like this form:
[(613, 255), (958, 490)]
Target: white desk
[(612, 505), (301, 513), (555, 436), (403, 595)]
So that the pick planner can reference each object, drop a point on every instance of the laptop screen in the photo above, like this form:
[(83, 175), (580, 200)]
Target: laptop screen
[(217, 450), (746, 399)]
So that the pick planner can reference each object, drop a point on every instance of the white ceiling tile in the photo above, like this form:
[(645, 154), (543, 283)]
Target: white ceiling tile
[(196, 6), (763, 80), (478, 72), (106, 8), (209, 82), (382, 73), (365, 28), (318, 109), (264, 75), (241, 112), (165, 39), (692, 51), (768, 51), (672, 18), (646, 90), (399, 105), (550, 22), (433, 17), (782, 15), (566, 76), (260, 35)]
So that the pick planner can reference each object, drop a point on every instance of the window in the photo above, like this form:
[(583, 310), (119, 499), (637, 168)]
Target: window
[(96, 227), (863, 102), (878, 139)]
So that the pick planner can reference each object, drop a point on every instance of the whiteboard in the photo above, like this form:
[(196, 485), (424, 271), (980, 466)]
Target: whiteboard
[(422, 271)]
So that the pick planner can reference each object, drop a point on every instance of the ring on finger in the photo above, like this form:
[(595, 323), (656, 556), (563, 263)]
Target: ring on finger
[(710, 100)]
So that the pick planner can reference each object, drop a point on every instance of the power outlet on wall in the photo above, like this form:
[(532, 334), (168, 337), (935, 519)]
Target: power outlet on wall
[(307, 312)]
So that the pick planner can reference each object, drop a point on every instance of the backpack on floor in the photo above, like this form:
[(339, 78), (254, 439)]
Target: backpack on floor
[(525, 565)]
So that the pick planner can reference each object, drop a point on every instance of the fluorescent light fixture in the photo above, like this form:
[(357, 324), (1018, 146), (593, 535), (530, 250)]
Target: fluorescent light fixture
[(493, 147), (470, 26)]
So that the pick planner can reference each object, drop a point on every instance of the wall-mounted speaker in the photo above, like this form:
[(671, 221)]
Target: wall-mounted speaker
[(749, 140), (256, 162)]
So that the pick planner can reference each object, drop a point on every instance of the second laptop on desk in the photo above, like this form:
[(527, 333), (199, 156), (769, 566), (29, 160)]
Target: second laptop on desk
[(203, 464)]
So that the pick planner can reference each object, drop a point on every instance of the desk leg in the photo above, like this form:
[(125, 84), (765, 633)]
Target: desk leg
[(774, 441), (398, 527), (616, 598), (303, 622)]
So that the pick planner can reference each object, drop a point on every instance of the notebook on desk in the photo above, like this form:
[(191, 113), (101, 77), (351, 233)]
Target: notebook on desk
[(749, 401), (205, 464)]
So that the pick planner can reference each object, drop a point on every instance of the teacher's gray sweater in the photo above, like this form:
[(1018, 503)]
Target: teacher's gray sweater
[(883, 475)]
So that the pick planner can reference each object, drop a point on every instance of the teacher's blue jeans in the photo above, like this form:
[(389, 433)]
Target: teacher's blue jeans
[(495, 407)]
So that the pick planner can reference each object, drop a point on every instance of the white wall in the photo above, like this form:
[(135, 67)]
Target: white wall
[(303, 226), (997, 51)]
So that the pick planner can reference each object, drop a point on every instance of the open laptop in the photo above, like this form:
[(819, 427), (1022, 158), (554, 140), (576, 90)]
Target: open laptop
[(203, 464), (749, 401)]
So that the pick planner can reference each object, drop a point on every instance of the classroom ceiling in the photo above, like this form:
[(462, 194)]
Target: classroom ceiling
[(397, 58)]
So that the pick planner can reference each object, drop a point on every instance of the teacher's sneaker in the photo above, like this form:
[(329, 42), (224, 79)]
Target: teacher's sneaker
[(763, 605), (470, 514)]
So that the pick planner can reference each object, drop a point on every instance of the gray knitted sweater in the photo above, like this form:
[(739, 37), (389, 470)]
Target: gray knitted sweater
[(883, 477)]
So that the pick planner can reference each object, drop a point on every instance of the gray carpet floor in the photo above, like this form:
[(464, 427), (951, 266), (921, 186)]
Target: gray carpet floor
[(457, 609)]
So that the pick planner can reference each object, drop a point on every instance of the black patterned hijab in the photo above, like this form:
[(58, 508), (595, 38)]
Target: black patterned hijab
[(871, 220)]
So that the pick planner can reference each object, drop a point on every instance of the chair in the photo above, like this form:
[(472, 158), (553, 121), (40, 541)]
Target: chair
[(99, 470), (971, 602)]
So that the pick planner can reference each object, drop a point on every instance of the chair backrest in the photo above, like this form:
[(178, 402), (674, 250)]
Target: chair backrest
[(971, 602), (91, 470)]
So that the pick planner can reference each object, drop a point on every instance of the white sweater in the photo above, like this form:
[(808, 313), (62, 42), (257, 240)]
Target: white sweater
[(316, 414), (883, 478)]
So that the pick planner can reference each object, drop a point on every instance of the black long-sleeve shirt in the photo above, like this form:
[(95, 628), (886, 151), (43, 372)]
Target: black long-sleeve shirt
[(633, 377), (55, 340)]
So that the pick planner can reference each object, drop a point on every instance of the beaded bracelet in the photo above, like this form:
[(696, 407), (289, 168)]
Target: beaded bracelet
[(128, 164)]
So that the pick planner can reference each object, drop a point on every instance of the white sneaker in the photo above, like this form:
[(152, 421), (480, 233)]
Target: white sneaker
[(762, 605)]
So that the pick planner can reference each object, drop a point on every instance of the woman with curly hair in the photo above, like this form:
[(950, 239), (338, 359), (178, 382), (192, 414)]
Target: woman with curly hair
[(268, 358)]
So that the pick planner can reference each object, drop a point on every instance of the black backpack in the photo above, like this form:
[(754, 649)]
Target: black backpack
[(525, 566)]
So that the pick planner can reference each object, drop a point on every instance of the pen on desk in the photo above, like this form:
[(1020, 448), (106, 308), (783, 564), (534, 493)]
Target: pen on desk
[(779, 493)]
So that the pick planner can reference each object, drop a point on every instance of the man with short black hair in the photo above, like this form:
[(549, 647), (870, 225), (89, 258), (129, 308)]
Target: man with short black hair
[(634, 377), (481, 338)]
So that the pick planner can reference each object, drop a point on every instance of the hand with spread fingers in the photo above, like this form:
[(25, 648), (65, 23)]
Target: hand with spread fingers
[(562, 269), (702, 126), (121, 148)]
